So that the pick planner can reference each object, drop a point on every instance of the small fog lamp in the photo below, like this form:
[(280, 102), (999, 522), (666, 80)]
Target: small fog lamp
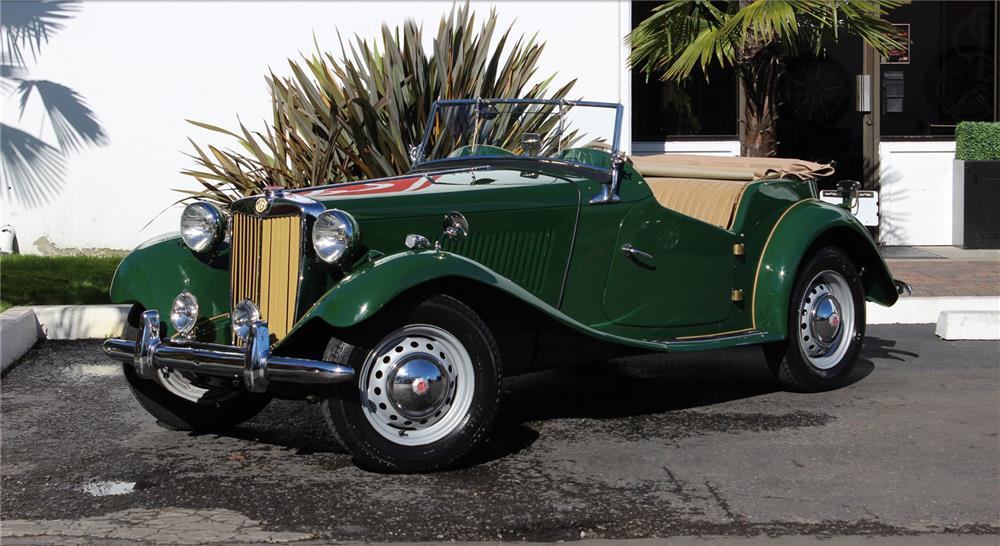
[(184, 312), (244, 314)]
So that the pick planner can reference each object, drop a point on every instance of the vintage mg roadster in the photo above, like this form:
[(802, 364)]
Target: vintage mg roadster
[(522, 238)]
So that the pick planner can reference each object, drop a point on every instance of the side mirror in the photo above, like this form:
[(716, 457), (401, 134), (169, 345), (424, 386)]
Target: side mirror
[(531, 144), (609, 191)]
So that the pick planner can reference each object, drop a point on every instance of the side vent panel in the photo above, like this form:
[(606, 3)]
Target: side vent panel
[(521, 256)]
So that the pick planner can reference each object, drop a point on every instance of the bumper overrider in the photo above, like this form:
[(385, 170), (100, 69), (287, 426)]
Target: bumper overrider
[(254, 363)]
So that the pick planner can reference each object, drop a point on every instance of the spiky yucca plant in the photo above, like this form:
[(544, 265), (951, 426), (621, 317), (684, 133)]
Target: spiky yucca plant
[(356, 116)]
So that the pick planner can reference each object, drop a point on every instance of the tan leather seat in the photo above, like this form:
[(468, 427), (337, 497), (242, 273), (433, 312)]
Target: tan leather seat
[(711, 201), (709, 188)]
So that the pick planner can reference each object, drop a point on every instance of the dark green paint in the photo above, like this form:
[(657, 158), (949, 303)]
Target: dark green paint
[(800, 227), (688, 280), (535, 237), (364, 292), (159, 269)]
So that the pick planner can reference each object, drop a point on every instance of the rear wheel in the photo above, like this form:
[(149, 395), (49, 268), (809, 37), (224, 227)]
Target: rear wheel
[(427, 389), (826, 325)]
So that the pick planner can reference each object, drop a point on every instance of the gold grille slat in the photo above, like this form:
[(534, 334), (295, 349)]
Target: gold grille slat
[(264, 267)]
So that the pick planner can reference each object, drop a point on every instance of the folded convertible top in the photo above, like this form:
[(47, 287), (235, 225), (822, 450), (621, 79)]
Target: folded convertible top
[(728, 168)]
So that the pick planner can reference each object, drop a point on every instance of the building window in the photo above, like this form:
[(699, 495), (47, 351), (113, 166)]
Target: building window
[(698, 108), (949, 73)]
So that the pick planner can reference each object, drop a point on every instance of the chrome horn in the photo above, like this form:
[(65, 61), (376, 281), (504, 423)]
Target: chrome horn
[(456, 227)]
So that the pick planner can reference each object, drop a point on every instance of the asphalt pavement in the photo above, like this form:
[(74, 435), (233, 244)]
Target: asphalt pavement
[(681, 446)]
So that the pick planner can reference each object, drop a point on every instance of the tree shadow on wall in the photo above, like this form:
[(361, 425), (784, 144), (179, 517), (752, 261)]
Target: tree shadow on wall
[(34, 170)]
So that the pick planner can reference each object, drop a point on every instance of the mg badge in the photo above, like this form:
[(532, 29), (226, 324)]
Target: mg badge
[(261, 205)]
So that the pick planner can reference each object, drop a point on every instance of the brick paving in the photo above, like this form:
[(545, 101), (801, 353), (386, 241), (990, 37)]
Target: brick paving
[(940, 277)]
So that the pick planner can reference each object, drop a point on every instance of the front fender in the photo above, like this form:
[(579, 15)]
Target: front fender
[(364, 292), (155, 272), (804, 227)]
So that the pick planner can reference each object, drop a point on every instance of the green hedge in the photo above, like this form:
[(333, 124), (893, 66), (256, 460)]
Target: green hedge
[(977, 141)]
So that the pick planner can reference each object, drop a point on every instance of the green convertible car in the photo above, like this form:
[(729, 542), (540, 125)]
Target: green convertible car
[(521, 239)]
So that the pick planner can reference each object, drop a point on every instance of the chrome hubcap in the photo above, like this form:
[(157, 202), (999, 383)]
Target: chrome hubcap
[(826, 320), (417, 385)]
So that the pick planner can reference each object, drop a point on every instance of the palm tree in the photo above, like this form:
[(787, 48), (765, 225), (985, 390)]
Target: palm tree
[(752, 37)]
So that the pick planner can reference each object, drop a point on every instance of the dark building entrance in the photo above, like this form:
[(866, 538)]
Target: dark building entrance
[(839, 105)]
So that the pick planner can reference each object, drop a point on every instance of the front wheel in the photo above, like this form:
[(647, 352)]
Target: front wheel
[(826, 325), (181, 401), (427, 390)]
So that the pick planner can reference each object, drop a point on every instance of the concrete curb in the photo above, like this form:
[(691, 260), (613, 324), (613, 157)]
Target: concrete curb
[(19, 331), (983, 325), (81, 321), (926, 310), (22, 327)]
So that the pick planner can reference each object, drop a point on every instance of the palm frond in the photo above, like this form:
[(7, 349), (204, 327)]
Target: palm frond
[(74, 123), (28, 25), (38, 167), (681, 35)]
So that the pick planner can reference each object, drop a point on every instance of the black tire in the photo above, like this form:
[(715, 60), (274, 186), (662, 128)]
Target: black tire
[(219, 409), (788, 359), (346, 414)]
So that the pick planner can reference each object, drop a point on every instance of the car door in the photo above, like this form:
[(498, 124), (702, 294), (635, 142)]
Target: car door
[(669, 270)]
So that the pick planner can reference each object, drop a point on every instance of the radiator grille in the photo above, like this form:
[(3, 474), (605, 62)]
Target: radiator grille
[(264, 267)]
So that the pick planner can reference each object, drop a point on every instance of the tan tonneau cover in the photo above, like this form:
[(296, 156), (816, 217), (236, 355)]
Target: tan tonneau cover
[(709, 188), (727, 168)]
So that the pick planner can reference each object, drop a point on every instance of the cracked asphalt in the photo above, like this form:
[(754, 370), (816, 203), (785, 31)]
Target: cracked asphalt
[(659, 446)]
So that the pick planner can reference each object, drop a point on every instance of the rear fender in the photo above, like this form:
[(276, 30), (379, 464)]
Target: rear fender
[(804, 228)]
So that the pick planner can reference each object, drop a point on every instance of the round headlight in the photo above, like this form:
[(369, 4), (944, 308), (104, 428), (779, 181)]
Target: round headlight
[(244, 314), (202, 226), (184, 312), (334, 235)]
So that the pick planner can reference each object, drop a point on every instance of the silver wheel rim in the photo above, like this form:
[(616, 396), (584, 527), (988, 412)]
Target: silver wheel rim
[(417, 385), (181, 386), (826, 320)]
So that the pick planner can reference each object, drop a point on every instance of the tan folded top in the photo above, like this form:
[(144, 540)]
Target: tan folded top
[(728, 168)]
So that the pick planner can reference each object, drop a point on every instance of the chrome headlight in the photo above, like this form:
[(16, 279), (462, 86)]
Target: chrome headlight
[(203, 225), (184, 312), (244, 314), (334, 235)]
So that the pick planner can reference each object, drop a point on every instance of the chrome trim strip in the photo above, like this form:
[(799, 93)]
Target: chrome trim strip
[(257, 366)]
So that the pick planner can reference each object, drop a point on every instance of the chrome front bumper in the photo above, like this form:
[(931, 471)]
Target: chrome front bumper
[(254, 364)]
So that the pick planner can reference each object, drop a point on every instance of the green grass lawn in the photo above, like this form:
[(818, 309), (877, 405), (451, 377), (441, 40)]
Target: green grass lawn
[(52, 280)]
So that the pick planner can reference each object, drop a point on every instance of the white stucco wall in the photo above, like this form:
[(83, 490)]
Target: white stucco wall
[(145, 67), (916, 196)]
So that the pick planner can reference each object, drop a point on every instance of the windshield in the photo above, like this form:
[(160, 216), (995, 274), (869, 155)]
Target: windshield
[(577, 132)]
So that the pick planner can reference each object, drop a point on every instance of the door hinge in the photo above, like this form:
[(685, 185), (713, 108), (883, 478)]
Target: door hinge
[(738, 249), (737, 294)]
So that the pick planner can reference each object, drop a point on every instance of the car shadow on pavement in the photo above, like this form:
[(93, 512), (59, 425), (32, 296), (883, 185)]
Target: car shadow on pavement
[(635, 386), (876, 347)]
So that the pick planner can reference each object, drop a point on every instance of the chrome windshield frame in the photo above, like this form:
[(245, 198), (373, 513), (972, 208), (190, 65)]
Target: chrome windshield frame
[(419, 159)]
